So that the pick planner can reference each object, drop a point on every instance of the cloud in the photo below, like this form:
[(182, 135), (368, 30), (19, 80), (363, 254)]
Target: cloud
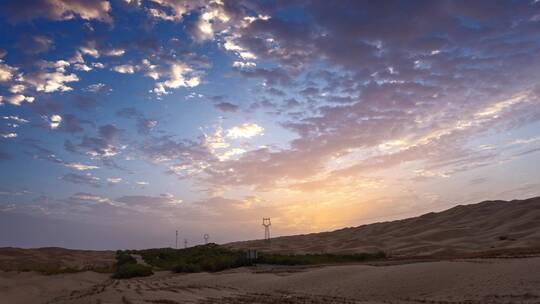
[(98, 88), (81, 179), (52, 77), (245, 130), (149, 201), (180, 75), (114, 180), (8, 135), (35, 44), (54, 121), (89, 197), (171, 10), (144, 125), (17, 11), (124, 69), (6, 71), (80, 167), (226, 107), (104, 145)]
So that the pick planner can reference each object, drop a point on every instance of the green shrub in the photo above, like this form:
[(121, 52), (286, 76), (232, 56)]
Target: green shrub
[(123, 258), (187, 268), (126, 271), (214, 258)]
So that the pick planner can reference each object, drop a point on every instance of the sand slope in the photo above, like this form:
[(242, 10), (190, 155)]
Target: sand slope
[(472, 281), (52, 258), (487, 226)]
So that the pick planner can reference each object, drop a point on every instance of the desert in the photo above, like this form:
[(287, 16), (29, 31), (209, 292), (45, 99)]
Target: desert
[(458, 266)]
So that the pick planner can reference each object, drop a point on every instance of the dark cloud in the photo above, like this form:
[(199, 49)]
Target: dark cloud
[(144, 125), (26, 10), (72, 124), (106, 143), (35, 44), (226, 107)]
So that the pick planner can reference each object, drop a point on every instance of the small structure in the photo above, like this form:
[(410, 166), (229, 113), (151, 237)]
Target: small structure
[(252, 254), (206, 237)]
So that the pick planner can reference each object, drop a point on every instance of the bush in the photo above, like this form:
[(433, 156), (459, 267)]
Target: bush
[(187, 268), (123, 258), (126, 271), (312, 259)]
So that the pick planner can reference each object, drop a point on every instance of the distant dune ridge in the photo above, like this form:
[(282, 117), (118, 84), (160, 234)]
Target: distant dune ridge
[(503, 227)]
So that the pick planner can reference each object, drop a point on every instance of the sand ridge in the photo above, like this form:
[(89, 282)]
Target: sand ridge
[(502, 227)]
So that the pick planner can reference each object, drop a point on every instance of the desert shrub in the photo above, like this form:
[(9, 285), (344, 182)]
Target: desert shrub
[(209, 257), (123, 258), (186, 268), (214, 258), (313, 259), (126, 271)]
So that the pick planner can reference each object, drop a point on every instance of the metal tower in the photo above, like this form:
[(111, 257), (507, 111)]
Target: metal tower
[(176, 244), (266, 223), (185, 243), (206, 237)]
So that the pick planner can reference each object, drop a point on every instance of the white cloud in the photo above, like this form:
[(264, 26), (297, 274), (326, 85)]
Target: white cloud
[(98, 65), (230, 45), (140, 183), (18, 99), (230, 153), (48, 82), (90, 50), (243, 65), (80, 167), (82, 67), (124, 69), (54, 121), (245, 130), (114, 180), (6, 71), (175, 9), (17, 88), (180, 75), (8, 135), (115, 52), (16, 118), (212, 16), (97, 87)]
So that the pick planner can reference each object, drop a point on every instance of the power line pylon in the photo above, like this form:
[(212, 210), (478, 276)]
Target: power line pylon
[(266, 223), (176, 244), (206, 237), (185, 243)]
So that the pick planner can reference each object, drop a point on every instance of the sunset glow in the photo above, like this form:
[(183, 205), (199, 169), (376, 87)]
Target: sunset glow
[(144, 117)]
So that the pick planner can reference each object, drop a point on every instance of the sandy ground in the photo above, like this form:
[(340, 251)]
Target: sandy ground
[(494, 226), (53, 258), (514, 280)]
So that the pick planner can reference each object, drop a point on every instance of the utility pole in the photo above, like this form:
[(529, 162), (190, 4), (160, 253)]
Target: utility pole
[(185, 243), (206, 237), (266, 223), (176, 244)]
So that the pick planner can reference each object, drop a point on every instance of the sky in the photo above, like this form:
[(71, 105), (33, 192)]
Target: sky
[(122, 121)]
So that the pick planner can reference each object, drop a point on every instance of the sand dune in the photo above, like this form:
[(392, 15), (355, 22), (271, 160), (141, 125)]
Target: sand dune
[(489, 227), (509, 230)]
